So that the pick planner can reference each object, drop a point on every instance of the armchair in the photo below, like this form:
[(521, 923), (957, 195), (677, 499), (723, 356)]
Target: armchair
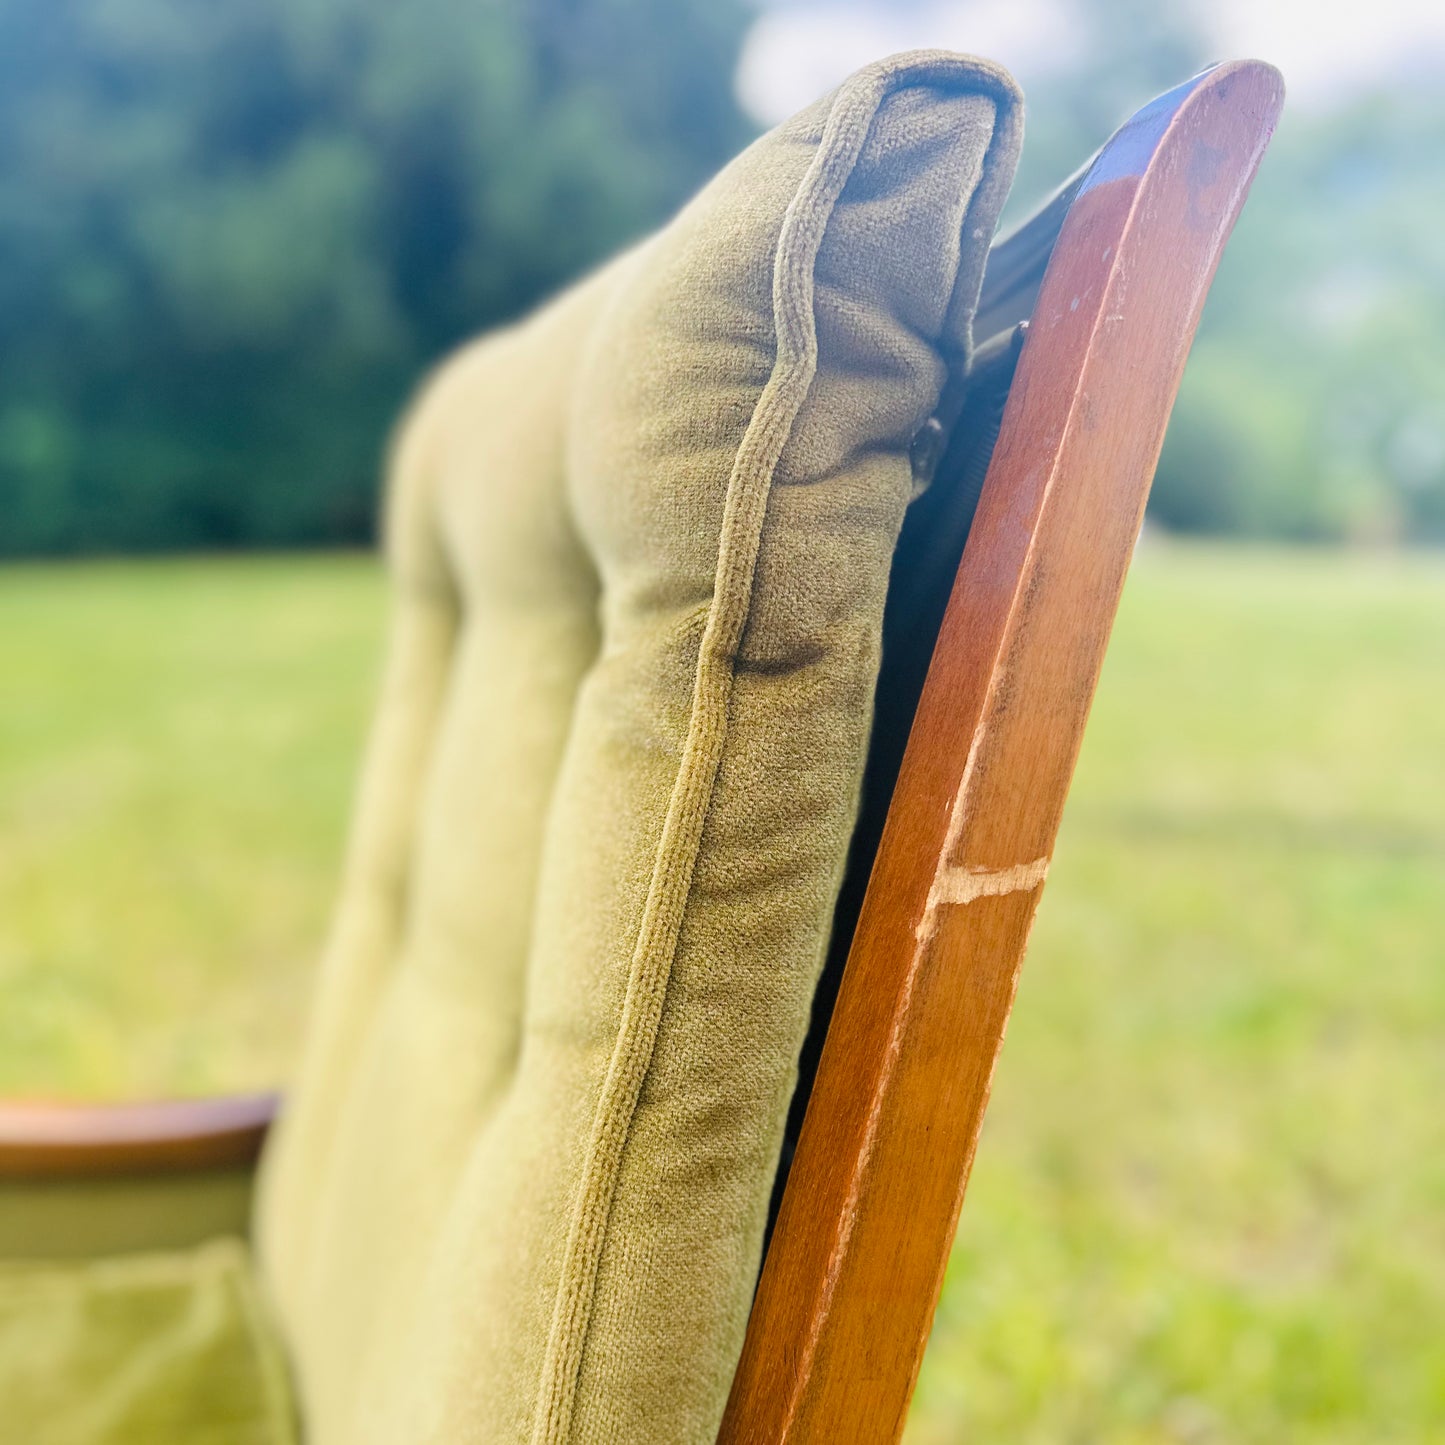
[(1009, 567)]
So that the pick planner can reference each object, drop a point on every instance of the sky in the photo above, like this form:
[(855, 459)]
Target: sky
[(1326, 48)]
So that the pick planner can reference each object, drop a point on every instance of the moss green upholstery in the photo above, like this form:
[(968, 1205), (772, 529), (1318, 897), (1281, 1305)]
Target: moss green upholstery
[(641, 544), (144, 1349)]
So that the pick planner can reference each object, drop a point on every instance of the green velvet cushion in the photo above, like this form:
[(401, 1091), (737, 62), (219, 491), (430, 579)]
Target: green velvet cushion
[(641, 545), (147, 1349)]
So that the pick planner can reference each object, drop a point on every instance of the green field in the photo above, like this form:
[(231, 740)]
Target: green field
[(1210, 1201)]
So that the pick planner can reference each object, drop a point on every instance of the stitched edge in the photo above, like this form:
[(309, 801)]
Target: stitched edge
[(848, 124)]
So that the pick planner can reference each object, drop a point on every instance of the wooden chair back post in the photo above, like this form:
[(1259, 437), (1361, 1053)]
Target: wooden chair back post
[(853, 1273)]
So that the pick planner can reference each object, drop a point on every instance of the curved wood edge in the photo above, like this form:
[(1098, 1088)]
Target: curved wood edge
[(848, 1290), (43, 1140), (1018, 259)]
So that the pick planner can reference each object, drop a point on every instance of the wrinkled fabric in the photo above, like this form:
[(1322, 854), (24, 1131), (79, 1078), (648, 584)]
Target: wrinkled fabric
[(145, 1349)]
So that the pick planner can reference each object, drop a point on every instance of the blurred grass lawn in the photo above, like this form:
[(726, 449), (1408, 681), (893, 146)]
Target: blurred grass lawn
[(1210, 1202)]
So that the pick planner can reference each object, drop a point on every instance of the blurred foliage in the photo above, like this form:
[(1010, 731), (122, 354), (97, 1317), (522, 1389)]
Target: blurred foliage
[(1315, 401), (1314, 404), (233, 231)]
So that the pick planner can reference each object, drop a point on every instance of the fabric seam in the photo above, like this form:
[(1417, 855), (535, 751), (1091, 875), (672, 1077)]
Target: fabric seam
[(845, 132)]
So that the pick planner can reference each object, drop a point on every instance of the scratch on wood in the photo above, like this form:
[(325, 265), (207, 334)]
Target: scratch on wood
[(963, 885)]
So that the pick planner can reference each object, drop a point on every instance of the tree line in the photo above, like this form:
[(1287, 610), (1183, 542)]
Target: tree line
[(233, 234)]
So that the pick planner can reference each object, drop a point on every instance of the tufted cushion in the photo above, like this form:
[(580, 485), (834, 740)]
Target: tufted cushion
[(641, 545)]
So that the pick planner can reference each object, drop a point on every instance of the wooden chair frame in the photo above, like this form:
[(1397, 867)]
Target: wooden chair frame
[(1110, 275), (853, 1273)]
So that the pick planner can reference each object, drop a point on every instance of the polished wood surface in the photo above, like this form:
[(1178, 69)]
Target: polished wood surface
[(59, 1140), (852, 1276)]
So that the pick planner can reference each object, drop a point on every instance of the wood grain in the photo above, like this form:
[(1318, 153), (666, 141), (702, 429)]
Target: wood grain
[(61, 1140), (852, 1276)]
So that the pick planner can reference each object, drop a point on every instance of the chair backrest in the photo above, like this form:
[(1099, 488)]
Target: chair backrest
[(1111, 276), (642, 543)]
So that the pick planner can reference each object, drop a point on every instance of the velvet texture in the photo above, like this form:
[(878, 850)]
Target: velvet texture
[(641, 544)]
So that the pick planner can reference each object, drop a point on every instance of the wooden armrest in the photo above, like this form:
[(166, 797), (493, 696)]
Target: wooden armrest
[(40, 1140)]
